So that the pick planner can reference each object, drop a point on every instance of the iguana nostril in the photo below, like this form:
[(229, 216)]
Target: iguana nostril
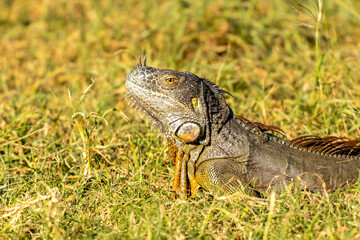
[(135, 73)]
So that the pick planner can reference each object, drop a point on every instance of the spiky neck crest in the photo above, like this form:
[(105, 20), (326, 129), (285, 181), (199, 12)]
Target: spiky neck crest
[(218, 111)]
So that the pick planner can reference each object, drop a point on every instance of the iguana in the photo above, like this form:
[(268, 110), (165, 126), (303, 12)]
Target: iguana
[(213, 148)]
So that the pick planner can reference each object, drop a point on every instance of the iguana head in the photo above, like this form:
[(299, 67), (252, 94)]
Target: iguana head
[(181, 104)]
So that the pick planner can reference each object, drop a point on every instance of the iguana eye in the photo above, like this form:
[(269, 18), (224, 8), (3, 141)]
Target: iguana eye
[(170, 80)]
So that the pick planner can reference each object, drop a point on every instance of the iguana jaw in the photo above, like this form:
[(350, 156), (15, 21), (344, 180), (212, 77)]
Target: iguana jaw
[(143, 113)]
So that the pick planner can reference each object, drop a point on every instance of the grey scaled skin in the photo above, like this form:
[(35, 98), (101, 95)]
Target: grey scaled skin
[(213, 148)]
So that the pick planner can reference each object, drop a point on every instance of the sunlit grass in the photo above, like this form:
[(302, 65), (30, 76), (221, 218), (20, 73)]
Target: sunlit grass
[(77, 162)]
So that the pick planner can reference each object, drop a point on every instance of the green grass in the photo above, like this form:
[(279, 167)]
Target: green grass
[(77, 162)]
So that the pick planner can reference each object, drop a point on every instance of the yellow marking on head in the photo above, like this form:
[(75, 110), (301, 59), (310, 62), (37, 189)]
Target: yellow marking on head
[(194, 102)]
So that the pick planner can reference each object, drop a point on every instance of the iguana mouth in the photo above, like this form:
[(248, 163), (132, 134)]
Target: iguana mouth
[(134, 103)]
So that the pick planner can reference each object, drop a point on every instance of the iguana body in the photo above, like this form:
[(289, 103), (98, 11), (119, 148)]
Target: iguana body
[(213, 148)]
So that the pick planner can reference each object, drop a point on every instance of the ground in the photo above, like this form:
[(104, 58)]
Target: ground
[(77, 162)]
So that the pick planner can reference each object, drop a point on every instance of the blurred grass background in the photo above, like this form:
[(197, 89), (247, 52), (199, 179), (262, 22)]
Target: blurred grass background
[(77, 162)]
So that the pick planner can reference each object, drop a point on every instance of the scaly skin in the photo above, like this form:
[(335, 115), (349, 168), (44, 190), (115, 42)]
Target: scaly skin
[(219, 151)]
